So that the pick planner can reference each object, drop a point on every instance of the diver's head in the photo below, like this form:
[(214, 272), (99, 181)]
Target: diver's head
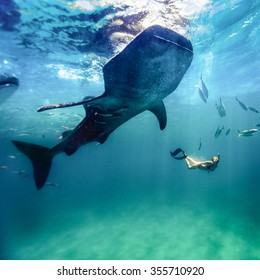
[(215, 159)]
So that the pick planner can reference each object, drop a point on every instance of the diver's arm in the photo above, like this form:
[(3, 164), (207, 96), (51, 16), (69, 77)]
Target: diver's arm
[(206, 164)]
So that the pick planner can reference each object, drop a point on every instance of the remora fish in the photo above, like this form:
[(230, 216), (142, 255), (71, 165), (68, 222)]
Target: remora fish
[(137, 79), (8, 85), (204, 88), (248, 132), (242, 104)]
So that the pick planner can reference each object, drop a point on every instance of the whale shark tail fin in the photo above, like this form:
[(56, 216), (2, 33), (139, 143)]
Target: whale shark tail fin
[(41, 159)]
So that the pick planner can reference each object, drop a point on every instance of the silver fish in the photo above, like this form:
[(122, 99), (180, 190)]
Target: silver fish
[(218, 131), (202, 96), (253, 109), (242, 104), (204, 88), (228, 131), (221, 108), (247, 132), (200, 145)]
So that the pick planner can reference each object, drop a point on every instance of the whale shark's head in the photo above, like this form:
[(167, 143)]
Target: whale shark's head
[(8, 85)]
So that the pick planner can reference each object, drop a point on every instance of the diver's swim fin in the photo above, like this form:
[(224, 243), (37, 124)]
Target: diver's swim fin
[(41, 159), (176, 152)]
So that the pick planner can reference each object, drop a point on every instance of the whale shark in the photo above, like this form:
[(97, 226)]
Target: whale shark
[(137, 79), (8, 85)]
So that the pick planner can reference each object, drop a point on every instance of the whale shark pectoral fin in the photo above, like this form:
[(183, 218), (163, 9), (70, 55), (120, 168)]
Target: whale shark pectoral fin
[(160, 112)]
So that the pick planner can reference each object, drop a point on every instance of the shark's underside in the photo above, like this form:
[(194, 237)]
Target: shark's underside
[(137, 79)]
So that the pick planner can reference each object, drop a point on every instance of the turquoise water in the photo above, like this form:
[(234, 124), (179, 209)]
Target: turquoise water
[(127, 198)]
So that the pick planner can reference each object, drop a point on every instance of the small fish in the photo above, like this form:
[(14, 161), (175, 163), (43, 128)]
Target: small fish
[(66, 127), (221, 108), (218, 131), (3, 167), (200, 145), (52, 184), (19, 172), (253, 109), (228, 131), (204, 88), (242, 104), (257, 124), (247, 132), (10, 156), (24, 134), (202, 96), (221, 130)]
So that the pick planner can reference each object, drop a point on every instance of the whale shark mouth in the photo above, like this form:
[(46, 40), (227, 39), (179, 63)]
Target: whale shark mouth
[(181, 43)]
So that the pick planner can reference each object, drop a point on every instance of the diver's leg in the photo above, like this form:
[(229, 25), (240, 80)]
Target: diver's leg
[(191, 163), (192, 160)]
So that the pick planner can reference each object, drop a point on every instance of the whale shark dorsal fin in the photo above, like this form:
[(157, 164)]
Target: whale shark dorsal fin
[(160, 112)]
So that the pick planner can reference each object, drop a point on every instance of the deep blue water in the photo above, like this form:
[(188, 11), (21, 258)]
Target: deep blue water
[(127, 198)]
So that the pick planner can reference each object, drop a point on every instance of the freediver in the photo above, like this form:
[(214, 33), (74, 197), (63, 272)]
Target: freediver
[(208, 165)]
